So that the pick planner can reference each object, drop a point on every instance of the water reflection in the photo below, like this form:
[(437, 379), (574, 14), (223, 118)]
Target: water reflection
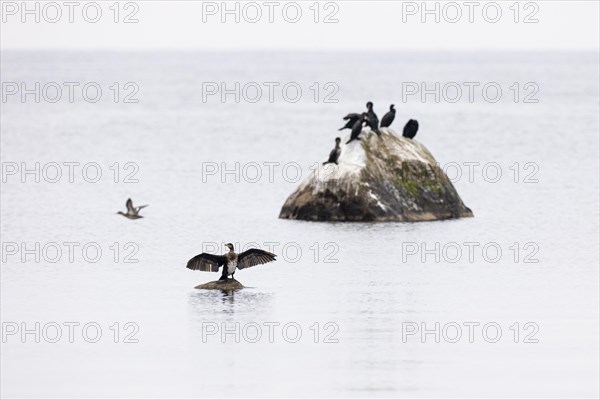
[(209, 302), (221, 303)]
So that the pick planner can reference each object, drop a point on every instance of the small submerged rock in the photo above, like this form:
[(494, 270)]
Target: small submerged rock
[(229, 284), (387, 178)]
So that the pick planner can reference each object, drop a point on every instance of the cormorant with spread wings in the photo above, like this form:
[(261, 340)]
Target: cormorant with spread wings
[(230, 261)]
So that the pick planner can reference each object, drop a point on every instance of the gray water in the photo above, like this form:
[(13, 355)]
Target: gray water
[(363, 288)]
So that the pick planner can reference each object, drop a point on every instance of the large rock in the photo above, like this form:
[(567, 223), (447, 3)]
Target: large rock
[(387, 178), (229, 284)]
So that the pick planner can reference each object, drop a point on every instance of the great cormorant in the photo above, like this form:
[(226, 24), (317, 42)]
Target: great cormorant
[(372, 119), (230, 261), (335, 153), (388, 118), (132, 212), (357, 128), (411, 128), (351, 118)]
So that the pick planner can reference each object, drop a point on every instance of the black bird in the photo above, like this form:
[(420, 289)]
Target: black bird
[(357, 127), (335, 153), (411, 128), (132, 212), (372, 119), (351, 118), (230, 261), (388, 118)]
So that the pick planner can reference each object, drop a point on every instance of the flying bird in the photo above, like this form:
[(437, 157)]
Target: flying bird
[(388, 118), (230, 261), (132, 212)]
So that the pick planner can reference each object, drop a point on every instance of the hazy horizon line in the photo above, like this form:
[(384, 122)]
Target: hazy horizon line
[(281, 50)]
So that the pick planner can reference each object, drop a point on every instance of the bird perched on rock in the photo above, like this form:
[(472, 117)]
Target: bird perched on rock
[(388, 118), (357, 127), (335, 153), (411, 128), (351, 118), (230, 261), (372, 120), (132, 212)]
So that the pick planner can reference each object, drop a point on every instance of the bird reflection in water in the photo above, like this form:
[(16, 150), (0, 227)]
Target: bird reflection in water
[(207, 302), (217, 303)]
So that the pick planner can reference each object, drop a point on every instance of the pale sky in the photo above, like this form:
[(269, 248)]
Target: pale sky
[(360, 26)]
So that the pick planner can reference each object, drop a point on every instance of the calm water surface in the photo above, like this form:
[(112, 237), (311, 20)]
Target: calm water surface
[(368, 294)]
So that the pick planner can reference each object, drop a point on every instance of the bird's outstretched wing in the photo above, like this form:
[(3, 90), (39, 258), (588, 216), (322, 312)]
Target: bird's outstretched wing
[(252, 257), (140, 207), (206, 262), (129, 205), (351, 116)]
